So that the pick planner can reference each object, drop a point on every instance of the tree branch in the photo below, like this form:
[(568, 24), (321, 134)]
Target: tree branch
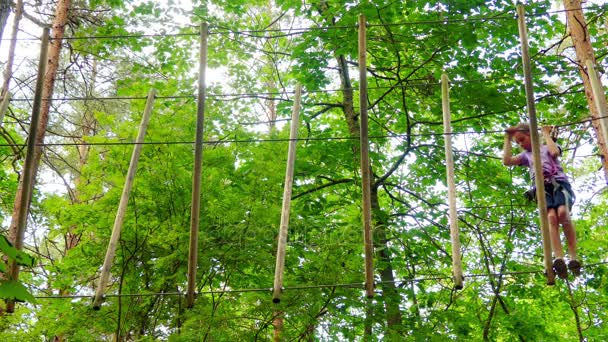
[(322, 186)]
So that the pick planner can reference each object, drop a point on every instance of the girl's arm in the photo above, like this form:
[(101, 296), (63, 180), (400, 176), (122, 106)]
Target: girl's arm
[(507, 157), (551, 145)]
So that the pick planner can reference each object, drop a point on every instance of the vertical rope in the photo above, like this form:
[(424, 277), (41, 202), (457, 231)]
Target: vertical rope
[(198, 169), (284, 226), (454, 232), (365, 165), (124, 200)]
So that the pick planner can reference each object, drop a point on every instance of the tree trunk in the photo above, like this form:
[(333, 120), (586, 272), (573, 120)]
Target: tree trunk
[(58, 27), (88, 128), (5, 11), (369, 321), (390, 294), (584, 52), (350, 116), (8, 71), (271, 107), (277, 324)]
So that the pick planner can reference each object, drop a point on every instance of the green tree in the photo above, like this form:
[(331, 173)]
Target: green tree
[(262, 54)]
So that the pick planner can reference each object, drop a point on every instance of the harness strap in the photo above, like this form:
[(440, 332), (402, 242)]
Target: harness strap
[(558, 187)]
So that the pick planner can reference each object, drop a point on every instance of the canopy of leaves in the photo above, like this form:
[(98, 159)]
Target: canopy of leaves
[(257, 52)]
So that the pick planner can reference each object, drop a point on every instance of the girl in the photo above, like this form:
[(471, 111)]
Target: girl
[(558, 191)]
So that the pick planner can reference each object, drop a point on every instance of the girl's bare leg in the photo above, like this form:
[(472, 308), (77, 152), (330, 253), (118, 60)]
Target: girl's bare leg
[(556, 242), (569, 231)]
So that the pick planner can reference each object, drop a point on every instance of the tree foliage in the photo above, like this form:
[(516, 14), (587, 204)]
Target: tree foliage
[(11, 289), (258, 51)]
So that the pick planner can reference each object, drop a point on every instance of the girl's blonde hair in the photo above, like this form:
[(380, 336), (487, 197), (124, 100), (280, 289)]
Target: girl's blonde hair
[(521, 127)]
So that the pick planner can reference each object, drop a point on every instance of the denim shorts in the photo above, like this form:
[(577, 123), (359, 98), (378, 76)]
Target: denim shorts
[(559, 193)]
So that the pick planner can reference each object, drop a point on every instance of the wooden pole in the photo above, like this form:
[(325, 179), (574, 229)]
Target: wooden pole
[(28, 167), (538, 168), (455, 234), (124, 200), (198, 169), (4, 106), (365, 165), (599, 97), (291, 159)]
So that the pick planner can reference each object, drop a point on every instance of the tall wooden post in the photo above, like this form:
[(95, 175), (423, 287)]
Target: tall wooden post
[(599, 98), (124, 201), (538, 168), (198, 169), (291, 159), (28, 167), (449, 163), (365, 165)]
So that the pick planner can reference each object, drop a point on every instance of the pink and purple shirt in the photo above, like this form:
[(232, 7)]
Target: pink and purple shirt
[(552, 168)]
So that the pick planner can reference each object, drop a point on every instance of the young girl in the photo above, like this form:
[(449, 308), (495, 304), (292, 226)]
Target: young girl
[(558, 191)]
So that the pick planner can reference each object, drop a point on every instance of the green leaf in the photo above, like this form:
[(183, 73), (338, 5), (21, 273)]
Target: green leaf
[(13, 253), (14, 290)]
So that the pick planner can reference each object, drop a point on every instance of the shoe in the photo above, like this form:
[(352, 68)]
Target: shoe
[(559, 266), (575, 267)]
